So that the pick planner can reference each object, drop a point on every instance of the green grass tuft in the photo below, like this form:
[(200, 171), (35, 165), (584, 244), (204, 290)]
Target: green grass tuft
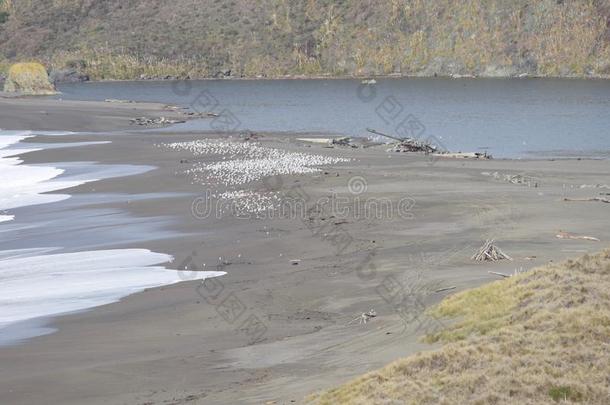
[(564, 394)]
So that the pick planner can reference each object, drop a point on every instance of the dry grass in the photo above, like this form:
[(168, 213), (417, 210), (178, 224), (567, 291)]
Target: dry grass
[(104, 64), (541, 337)]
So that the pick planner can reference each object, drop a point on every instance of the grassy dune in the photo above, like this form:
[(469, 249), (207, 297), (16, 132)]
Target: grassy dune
[(118, 39), (541, 337)]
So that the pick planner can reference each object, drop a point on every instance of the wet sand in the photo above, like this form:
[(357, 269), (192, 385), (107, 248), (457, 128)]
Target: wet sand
[(179, 344), (46, 114)]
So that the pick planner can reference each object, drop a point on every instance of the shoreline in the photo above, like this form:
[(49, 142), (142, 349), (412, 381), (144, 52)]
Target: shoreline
[(307, 308), (43, 113), (364, 77), (340, 77), (46, 114)]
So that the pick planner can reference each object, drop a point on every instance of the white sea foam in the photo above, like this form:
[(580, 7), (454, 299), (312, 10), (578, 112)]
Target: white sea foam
[(39, 282), (34, 285), (23, 185), (4, 218)]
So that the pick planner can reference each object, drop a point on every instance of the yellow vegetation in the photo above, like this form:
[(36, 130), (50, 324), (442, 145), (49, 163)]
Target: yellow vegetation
[(537, 338), (472, 36), (105, 64), (28, 78), (281, 37)]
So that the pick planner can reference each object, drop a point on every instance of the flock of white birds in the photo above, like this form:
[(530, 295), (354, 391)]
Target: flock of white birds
[(234, 164), (243, 203)]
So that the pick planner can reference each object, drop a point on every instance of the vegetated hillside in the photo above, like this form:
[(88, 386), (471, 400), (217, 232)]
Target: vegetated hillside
[(536, 338), (125, 38)]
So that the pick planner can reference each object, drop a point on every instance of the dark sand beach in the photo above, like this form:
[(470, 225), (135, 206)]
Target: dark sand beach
[(62, 115), (304, 289)]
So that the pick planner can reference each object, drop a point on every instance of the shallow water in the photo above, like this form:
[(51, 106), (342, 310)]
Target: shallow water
[(507, 117)]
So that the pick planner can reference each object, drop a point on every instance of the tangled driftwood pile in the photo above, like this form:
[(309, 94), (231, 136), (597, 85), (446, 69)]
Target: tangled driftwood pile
[(426, 146), (364, 317), (523, 179), (407, 144), (144, 121), (490, 252), (413, 145)]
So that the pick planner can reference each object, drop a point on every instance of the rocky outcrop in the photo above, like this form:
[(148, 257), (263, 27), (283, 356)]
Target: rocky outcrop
[(68, 76), (29, 79)]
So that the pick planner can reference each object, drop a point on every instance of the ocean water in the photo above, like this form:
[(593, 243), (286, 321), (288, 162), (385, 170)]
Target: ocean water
[(514, 118), (38, 280)]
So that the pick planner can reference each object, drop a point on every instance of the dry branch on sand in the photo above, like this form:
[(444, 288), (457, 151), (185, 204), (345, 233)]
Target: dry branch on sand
[(445, 289), (568, 235), (495, 273), (516, 272), (490, 252), (600, 199)]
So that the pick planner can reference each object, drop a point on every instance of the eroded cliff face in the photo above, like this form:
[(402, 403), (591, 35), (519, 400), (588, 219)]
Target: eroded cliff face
[(154, 38)]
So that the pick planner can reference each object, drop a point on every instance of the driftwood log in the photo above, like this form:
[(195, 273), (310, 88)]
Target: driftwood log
[(499, 274), (407, 144), (446, 289), (600, 199), (568, 235)]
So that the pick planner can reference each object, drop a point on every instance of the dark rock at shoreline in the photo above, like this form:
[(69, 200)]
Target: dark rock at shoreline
[(166, 77), (68, 76), (223, 73)]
